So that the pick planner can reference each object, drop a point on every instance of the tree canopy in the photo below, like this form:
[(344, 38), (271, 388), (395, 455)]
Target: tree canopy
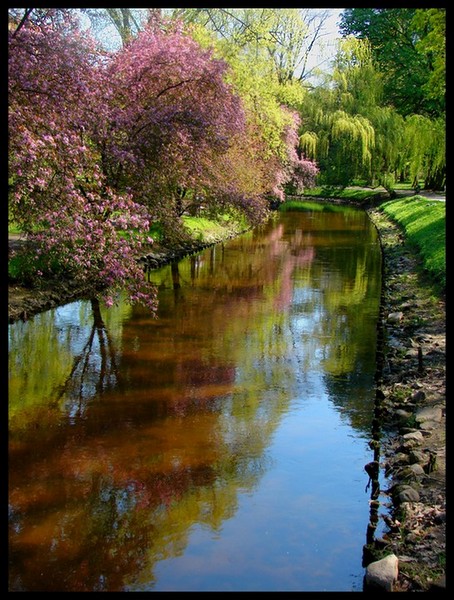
[(59, 194), (409, 48), (355, 135), (104, 144)]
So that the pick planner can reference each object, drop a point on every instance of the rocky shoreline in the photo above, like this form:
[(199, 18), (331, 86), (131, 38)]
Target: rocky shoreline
[(410, 405)]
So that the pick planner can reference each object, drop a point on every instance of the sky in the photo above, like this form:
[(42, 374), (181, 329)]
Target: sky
[(324, 53)]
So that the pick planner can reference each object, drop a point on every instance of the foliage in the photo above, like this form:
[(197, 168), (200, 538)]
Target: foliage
[(163, 130), (183, 125), (342, 144), (424, 223), (27, 268), (408, 46), (413, 146), (352, 134), (58, 192), (430, 24), (172, 120), (209, 230), (336, 129), (354, 194), (271, 103), (389, 163), (358, 84), (282, 39), (426, 147)]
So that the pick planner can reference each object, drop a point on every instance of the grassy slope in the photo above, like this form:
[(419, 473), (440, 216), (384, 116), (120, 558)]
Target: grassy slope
[(353, 193), (424, 224), (209, 230)]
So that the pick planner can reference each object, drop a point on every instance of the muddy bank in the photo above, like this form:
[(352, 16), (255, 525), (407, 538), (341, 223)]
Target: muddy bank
[(411, 403)]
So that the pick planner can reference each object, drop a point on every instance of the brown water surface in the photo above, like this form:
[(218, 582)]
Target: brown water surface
[(217, 447)]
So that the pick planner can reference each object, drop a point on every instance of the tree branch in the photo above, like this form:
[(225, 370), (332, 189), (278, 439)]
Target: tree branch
[(24, 19)]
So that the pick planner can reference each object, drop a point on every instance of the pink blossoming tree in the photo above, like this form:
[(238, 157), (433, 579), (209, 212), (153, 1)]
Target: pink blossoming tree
[(173, 120), (179, 136), (59, 194)]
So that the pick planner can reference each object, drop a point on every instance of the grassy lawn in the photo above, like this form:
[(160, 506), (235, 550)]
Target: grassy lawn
[(353, 193), (208, 230), (13, 228), (424, 224)]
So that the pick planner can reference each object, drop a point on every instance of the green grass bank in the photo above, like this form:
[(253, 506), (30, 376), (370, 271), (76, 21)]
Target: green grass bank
[(423, 223)]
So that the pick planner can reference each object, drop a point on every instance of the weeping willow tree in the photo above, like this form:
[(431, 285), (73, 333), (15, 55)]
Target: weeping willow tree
[(425, 144), (409, 149), (354, 135), (388, 158), (337, 131), (342, 144), (355, 132), (357, 84), (308, 144)]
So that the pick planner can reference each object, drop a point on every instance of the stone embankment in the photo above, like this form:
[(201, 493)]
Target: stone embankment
[(411, 393)]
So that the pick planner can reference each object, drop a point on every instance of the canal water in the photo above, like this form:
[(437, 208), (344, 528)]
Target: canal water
[(219, 446)]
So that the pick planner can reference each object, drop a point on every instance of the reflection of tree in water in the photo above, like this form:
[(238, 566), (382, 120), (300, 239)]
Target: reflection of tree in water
[(175, 449), (94, 369)]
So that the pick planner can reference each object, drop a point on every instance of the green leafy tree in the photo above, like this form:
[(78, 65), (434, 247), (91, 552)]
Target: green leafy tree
[(353, 134), (408, 47), (425, 146), (337, 130), (430, 25)]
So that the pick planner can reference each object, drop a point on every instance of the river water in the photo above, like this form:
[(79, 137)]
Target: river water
[(217, 447)]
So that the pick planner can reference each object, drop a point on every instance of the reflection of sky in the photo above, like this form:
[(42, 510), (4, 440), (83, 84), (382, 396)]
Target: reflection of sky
[(297, 526), (74, 323), (67, 332), (68, 314)]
